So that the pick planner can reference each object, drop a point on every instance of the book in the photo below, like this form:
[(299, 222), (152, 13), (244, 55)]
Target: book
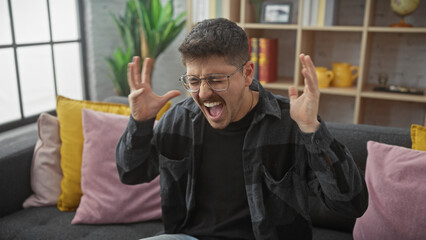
[(254, 56), (306, 20), (330, 13), (268, 59), (219, 9), (314, 12), (212, 8), (200, 10), (321, 13)]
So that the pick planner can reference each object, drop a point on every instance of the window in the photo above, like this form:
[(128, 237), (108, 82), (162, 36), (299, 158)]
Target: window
[(41, 56)]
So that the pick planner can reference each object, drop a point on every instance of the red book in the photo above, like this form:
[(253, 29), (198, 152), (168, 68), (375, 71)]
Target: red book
[(268, 59)]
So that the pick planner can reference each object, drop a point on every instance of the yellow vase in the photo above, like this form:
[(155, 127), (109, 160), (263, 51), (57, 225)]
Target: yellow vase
[(324, 76), (344, 74)]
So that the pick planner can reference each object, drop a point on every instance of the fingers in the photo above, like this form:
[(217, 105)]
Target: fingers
[(307, 65), (146, 71), (292, 93), (308, 71), (136, 70), (133, 75), (130, 76), (171, 94)]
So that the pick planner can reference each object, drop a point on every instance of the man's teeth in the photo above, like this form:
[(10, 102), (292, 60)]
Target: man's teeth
[(211, 104)]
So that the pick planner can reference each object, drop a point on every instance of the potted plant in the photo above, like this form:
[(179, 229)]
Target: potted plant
[(146, 30)]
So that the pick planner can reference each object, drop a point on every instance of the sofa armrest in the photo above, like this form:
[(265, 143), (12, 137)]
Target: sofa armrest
[(16, 151)]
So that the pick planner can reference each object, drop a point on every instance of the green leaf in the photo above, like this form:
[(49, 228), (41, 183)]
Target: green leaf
[(155, 12), (118, 26), (129, 43), (176, 30), (166, 14), (166, 31), (131, 6), (118, 67), (114, 78), (180, 17), (139, 9), (146, 22), (157, 44)]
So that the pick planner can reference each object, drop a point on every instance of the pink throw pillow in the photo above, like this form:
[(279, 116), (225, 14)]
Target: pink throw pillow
[(46, 173), (396, 178), (105, 199)]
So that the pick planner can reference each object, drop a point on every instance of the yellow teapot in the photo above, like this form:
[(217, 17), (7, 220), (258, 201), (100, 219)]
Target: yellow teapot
[(324, 76), (344, 74)]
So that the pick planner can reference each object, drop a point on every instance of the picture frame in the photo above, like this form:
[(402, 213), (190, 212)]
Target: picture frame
[(276, 12)]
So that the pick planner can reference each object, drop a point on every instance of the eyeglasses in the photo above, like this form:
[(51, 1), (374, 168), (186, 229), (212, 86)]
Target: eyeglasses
[(217, 81)]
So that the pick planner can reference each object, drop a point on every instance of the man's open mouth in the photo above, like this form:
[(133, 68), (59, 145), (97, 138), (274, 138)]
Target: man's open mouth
[(214, 109)]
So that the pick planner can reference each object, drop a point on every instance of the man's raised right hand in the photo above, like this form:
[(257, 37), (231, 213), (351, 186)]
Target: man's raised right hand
[(144, 103)]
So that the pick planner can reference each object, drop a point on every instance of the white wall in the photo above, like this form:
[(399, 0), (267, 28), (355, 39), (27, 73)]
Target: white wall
[(103, 38)]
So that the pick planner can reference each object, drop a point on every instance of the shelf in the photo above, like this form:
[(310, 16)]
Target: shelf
[(369, 93), (396, 30), (285, 84), (280, 84), (342, 91), (270, 26), (334, 28)]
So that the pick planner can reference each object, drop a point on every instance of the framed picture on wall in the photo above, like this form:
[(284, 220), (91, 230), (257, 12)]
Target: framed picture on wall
[(276, 12)]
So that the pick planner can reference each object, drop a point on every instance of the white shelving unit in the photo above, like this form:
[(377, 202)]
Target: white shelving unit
[(357, 39)]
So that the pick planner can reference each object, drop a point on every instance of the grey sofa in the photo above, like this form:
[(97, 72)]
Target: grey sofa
[(49, 223)]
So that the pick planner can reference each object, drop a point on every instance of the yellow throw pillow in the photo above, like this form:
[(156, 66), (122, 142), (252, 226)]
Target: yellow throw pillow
[(71, 134), (418, 137), (163, 110)]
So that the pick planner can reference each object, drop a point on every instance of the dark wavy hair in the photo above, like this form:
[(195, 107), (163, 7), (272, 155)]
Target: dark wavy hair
[(216, 37)]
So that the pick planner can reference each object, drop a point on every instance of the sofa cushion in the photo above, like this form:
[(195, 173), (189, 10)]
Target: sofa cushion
[(71, 133), (418, 137), (395, 179), (100, 183), (46, 173), (50, 223)]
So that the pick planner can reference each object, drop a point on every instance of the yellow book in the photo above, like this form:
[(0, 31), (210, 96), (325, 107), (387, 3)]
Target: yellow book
[(212, 8), (321, 13)]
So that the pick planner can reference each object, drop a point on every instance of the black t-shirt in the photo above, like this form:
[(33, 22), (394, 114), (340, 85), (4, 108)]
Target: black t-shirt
[(221, 208)]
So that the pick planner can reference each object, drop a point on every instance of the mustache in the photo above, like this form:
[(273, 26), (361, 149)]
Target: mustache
[(212, 99)]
